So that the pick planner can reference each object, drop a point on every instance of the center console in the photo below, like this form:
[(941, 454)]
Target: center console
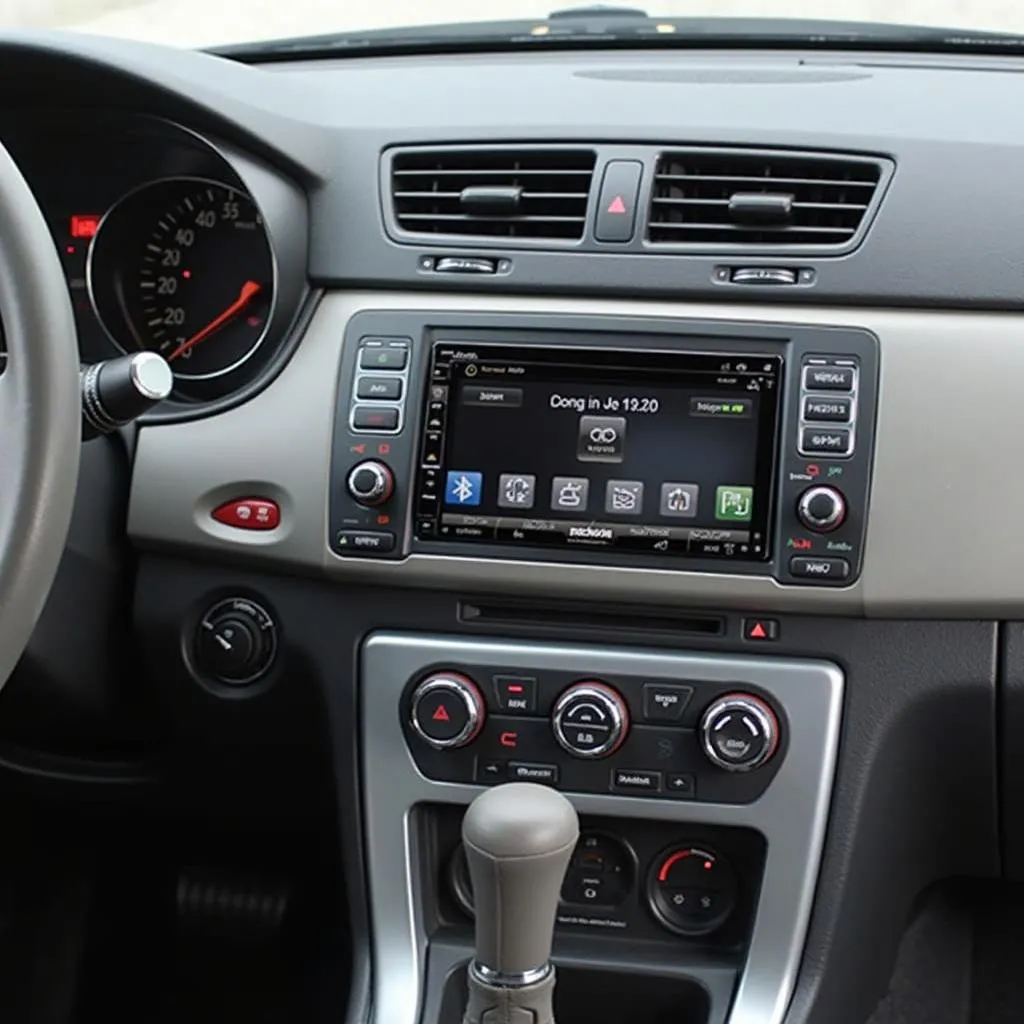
[(638, 444), (702, 783)]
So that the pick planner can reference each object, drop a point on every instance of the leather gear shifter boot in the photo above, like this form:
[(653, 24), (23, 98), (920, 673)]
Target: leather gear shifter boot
[(518, 839)]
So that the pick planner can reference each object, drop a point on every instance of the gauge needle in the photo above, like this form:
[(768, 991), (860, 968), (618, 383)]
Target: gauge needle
[(249, 290)]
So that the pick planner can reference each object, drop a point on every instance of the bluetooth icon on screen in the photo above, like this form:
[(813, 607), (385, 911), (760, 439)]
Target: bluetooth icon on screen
[(463, 488)]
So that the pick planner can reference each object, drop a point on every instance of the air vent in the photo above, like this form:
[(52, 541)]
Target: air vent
[(498, 193), (723, 199)]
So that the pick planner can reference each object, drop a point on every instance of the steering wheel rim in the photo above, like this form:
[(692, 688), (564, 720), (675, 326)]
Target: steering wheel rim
[(40, 413)]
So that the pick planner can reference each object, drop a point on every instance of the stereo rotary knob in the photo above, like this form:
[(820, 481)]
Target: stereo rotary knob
[(590, 720), (448, 710), (821, 509), (739, 732), (371, 483)]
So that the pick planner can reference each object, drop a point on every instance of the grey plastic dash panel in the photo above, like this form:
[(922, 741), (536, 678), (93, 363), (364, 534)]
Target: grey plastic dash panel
[(942, 536), (792, 814)]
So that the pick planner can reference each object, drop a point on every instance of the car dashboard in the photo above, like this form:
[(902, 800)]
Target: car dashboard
[(679, 385)]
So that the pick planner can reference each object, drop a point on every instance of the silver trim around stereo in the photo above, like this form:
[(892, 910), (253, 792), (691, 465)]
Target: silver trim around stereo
[(791, 815)]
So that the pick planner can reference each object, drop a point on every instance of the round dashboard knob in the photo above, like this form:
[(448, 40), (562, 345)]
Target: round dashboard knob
[(739, 732), (236, 642), (371, 483), (590, 720), (821, 509), (448, 710)]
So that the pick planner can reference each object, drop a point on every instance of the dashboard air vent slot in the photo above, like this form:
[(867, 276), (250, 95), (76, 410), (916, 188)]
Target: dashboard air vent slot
[(730, 199), (536, 193)]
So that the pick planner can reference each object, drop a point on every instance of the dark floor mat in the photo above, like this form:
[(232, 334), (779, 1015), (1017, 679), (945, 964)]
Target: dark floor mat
[(142, 966), (195, 983), (998, 983), (931, 982)]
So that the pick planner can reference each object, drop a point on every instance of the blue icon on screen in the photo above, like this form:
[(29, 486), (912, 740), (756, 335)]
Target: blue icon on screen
[(463, 488)]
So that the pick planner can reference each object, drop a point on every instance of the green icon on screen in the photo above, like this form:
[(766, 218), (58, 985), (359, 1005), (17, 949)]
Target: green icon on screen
[(734, 504)]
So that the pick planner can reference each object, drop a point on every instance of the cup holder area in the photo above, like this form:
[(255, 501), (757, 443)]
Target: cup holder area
[(583, 996)]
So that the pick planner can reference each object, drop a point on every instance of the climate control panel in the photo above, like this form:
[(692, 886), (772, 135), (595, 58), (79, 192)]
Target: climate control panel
[(687, 739)]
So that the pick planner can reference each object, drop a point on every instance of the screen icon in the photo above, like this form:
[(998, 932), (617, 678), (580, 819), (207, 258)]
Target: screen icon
[(679, 500), (601, 439), (516, 490), (624, 497), (734, 504), (569, 493), (463, 488)]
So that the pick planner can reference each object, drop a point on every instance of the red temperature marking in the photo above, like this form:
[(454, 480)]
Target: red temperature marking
[(671, 862)]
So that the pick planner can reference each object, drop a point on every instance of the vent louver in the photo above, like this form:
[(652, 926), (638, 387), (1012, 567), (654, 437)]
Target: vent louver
[(528, 193), (730, 199)]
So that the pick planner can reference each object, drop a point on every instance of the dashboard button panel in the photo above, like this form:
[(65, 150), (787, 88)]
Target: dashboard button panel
[(828, 394), (249, 514), (378, 396), (371, 447), (589, 735)]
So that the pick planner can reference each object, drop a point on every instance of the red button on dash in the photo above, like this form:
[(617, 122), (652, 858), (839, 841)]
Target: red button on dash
[(249, 514)]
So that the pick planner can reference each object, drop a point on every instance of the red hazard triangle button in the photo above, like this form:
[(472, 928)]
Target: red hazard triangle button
[(617, 201), (760, 629), (441, 714)]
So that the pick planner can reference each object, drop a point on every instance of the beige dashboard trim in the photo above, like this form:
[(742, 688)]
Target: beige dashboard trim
[(943, 533)]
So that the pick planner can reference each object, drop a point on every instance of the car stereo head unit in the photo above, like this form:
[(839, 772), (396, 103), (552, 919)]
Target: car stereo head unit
[(670, 453), (612, 442)]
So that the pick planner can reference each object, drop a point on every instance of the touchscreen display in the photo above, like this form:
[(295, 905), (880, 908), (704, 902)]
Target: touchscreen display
[(665, 453)]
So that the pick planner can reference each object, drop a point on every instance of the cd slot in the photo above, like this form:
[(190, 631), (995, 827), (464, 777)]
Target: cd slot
[(538, 615)]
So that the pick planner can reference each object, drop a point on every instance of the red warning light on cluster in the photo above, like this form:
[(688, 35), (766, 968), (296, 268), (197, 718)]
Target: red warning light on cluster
[(84, 225)]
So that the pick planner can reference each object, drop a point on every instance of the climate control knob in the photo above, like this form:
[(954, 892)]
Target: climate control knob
[(447, 710), (821, 509), (739, 732), (590, 720), (371, 483)]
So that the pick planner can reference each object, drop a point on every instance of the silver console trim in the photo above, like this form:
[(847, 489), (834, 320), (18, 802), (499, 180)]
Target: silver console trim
[(792, 814), (495, 979)]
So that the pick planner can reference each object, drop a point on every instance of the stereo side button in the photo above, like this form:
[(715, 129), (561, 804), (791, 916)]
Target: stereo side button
[(819, 409), (371, 542), (819, 568), (828, 378), (818, 441)]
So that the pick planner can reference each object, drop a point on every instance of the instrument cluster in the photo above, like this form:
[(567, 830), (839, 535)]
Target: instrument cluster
[(169, 244)]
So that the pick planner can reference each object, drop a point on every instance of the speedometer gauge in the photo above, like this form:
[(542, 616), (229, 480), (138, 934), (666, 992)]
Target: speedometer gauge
[(184, 267)]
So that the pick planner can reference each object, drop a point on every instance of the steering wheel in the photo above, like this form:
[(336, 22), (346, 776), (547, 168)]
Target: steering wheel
[(40, 414)]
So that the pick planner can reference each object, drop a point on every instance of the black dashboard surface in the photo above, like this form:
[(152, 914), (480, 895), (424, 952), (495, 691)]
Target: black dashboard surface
[(941, 238)]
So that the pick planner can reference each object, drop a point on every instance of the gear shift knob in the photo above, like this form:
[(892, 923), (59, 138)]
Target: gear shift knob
[(518, 839)]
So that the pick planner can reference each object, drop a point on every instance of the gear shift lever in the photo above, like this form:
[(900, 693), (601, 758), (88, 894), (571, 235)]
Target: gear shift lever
[(518, 839)]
